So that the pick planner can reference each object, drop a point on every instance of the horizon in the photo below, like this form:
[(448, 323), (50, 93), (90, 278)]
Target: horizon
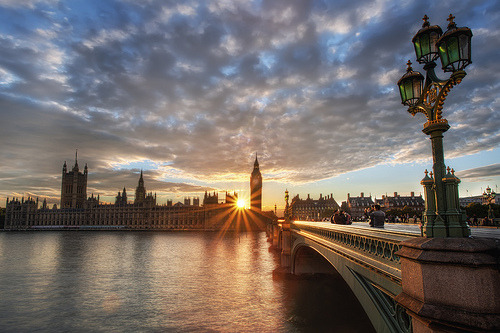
[(191, 91)]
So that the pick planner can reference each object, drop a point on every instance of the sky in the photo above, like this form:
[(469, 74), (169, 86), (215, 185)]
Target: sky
[(191, 91)]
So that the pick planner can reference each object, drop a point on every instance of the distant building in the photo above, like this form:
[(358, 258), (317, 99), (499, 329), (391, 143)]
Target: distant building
[(142, 214), (121, 198), (310, 209), (256, 187), (232, 199), (141, 198), (416, 203), (464, 202), (79, 212), (73, 186), (356, 206), (210, 199)]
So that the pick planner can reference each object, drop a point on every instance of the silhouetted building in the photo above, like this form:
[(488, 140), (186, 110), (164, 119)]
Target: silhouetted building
[(121, 198), (256, 187), (141, 198), (73, 186), (144, 213), (210, 199), (231, 199)]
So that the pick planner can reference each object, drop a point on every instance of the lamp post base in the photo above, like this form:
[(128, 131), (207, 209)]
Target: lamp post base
[(436, 228)]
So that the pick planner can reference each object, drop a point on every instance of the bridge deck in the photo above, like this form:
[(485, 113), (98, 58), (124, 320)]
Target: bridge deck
[(373, 247), (405, 229), (483, 232)]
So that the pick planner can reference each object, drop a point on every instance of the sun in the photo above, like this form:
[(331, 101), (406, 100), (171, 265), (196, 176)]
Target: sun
[(240, 203)]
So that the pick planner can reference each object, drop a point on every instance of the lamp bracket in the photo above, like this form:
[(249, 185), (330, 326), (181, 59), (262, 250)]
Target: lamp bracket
[(434, 93)]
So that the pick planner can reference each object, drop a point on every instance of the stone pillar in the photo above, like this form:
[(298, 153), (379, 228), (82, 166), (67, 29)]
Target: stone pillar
[(276, 236), (451, 284), (269, 231), (430, 206), (285, 245), (457, 225)]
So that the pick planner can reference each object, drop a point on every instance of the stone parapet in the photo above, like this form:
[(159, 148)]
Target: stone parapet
[(451, 284)]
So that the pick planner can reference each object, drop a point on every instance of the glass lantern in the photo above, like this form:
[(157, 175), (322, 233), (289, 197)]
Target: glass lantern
[(425, 42), (454, 47), (410, 86)]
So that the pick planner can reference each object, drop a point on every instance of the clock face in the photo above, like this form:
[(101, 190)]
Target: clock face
[(255, 181)]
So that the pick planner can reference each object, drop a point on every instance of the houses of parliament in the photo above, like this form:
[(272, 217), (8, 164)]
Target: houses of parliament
[(77, 211)]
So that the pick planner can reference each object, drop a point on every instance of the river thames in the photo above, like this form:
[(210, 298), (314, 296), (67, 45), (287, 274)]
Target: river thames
[(70, 281)]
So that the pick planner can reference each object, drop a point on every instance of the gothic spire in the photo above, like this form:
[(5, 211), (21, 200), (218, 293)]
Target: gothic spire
[(256, 164), (76, 161), (141, 180)]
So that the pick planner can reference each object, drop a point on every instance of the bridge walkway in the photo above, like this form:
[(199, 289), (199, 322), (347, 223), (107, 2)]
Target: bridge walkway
[(482, 232)]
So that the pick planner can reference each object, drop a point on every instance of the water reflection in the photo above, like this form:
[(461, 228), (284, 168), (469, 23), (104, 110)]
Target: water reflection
[(161, 281)]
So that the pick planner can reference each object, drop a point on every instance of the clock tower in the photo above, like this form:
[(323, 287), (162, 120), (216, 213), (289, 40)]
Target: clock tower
[(256, 187)]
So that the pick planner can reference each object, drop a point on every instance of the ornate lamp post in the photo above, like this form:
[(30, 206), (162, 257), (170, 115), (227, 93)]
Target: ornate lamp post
[(287, 208), (443, 217), (489, 198)]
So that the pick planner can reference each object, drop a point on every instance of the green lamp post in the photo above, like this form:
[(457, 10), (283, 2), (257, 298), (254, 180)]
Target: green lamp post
[(442, 217), (489, 198)]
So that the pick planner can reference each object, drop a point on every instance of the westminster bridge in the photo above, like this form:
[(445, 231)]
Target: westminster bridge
[(404, 282)]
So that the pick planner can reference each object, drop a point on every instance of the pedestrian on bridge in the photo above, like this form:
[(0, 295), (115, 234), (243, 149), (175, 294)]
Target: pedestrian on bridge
[(339, 217), (377, 217)]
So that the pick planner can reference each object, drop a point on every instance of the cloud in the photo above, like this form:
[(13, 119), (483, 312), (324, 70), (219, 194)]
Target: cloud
[(25, 3), (202, 86), (480, 174)]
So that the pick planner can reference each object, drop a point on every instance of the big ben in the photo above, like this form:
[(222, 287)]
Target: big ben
[(256, 187)]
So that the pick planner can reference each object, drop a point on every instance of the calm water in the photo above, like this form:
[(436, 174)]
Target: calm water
[(161, 282)]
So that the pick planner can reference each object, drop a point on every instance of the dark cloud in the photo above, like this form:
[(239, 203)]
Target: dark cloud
[(201, 86), (481, 173)]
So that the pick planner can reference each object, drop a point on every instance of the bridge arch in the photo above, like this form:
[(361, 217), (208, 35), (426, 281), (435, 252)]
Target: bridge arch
[(307, 260), (375, 293)]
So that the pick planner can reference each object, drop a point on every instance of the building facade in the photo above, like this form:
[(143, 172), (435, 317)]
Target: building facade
[(356, 206), (478, 199), (310, 209), (464, 202), (415, 203)]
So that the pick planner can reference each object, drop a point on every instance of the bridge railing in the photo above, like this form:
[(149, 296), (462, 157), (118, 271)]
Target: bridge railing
[(375, 248)]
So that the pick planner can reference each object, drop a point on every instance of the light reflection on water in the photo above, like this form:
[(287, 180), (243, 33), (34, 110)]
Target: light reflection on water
[(161, 282)]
